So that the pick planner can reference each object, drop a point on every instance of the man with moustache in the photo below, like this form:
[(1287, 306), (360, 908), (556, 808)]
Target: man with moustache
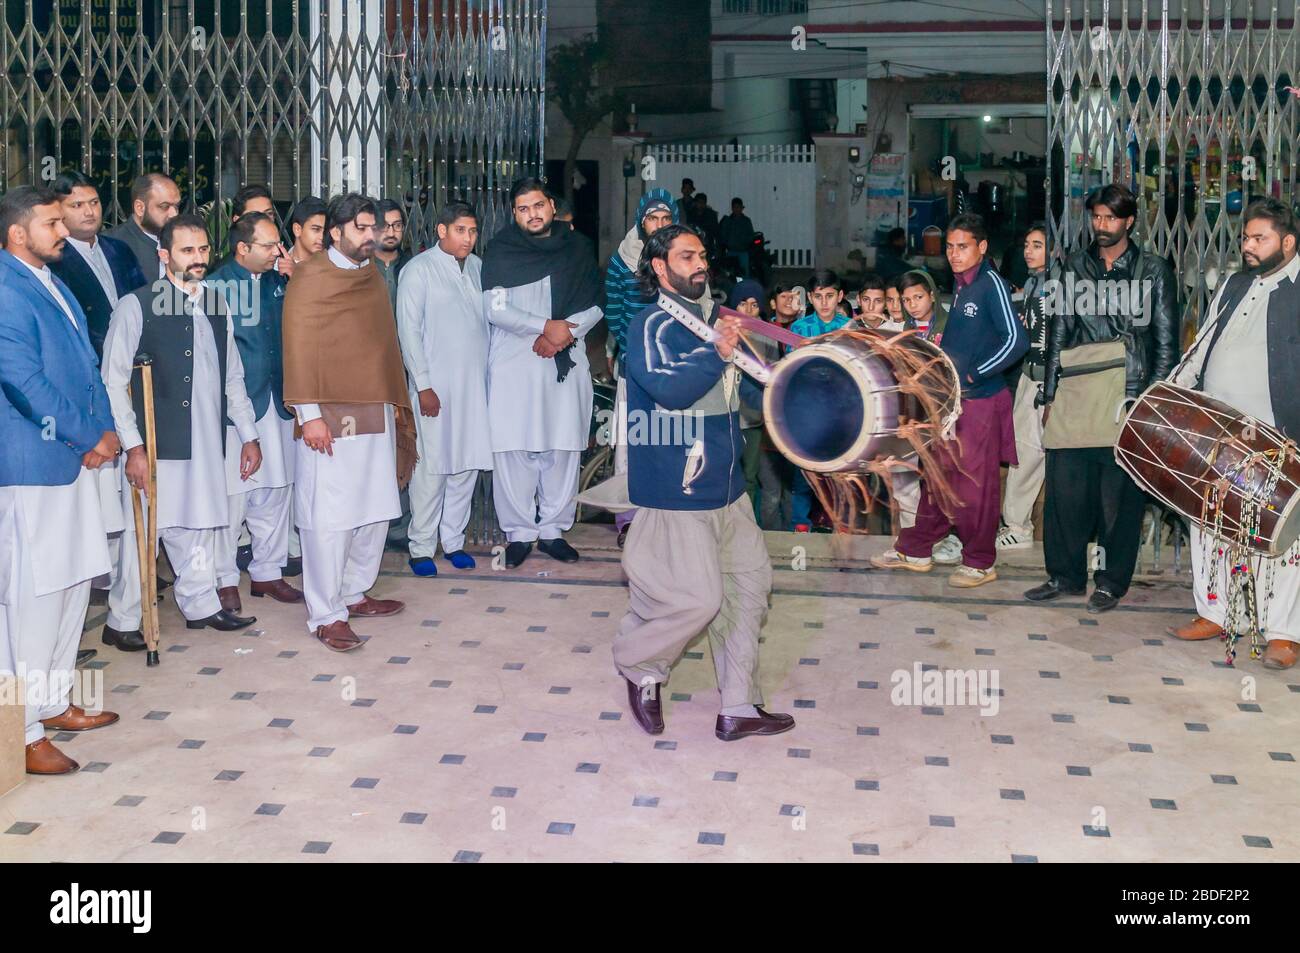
[(694, 557), (390, 254), (56, 429), (198, 381), (444, 337), (344, 380), (1087, 491), (253, 293), (155, 200), (541, 295), (99, 270), (1246, 356)]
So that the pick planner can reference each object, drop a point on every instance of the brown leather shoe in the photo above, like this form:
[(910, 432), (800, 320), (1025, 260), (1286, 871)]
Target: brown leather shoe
[(376, 607), (77, 719), (1198, 630), (338, 636), (229, 596), (277, 589), (729, 727), (1281, 653), (646, 708), (44, 758)]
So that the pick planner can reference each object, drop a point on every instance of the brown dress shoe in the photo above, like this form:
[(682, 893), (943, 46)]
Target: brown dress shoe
[(647, 711), (277, 589), (375, 607), (338, 636), (1198, 630), (229, 596), (1281, 653), (77, 719), (730, 727), (44, 758)]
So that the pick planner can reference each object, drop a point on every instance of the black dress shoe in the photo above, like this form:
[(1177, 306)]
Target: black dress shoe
[(1050, 590), (85, 655), (730, 727), (558, 549), (293, 567), (223, 621), (648, 712), (132, 641), (516, 553), (244, 557), (1102, 600)]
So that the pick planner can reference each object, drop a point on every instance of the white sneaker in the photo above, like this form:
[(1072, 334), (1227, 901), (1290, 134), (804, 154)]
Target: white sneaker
[(967, 577), (947, 552), (1010, 539), (893, 559)]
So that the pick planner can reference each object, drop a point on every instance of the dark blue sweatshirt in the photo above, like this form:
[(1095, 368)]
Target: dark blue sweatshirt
[(983, 336), (684, 438)]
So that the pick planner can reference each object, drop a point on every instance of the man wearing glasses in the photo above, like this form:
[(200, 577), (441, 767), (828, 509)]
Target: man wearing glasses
[(390, 256), (254, 296), (1087, 492)]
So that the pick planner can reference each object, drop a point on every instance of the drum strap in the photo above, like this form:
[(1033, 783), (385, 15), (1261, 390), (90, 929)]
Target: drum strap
[(697, 326), (1220, 323)]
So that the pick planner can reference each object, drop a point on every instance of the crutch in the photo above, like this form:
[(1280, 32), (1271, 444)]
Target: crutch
[(147, 545)]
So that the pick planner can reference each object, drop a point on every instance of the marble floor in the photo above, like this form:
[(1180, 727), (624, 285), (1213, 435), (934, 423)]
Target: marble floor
[(486, 723)]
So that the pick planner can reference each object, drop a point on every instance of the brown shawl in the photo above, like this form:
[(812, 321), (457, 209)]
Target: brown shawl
[(341, 351)]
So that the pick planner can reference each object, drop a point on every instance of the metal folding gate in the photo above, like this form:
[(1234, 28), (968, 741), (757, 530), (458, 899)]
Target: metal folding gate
[(1184, 101)]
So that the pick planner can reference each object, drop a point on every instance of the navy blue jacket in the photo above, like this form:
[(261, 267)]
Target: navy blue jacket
[(54, 405), (684, 438), (257, 331), (983, 335), (77, 274)]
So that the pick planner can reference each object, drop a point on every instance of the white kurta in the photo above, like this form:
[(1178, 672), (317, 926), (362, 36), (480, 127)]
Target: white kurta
[(444, 338), (275, 437), (1238, 376), (191, 493), (355, 486), (528, 409)]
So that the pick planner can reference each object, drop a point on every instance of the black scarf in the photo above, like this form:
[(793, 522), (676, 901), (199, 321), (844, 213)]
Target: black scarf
[(514, 258)]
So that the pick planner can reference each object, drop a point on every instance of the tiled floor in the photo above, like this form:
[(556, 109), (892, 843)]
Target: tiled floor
[(487, 723)]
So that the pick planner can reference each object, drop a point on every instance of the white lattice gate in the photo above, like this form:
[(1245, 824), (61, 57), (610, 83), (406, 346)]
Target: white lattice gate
[(778, 185)]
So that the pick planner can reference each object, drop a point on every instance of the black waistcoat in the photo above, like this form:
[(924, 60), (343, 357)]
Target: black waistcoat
[(167, 336)]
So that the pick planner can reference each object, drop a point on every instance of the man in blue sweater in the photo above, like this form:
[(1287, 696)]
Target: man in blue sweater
[(694, 557), (984, 338)]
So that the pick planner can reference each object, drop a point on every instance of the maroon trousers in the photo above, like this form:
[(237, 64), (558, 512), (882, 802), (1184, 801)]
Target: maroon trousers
[(985, 440)]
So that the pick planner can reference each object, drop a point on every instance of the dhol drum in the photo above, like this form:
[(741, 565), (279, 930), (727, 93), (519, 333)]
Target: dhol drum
[(1236, 475), (847, 399)]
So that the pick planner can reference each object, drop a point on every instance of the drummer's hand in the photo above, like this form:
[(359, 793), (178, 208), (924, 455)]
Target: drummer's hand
[(316, 434), (137, 469), (728, 331), (250, 459)]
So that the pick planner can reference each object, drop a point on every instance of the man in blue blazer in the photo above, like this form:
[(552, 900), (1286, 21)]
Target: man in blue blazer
[(56, 429), (98, 269)]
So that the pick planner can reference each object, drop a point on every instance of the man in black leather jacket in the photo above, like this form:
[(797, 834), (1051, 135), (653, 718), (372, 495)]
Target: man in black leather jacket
[(1087, 492)]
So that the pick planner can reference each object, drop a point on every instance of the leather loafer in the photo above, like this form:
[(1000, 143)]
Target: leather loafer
[(730, 728), (293, 567), (1050, 590), (376, 607), (85, 655), (516, 553), (1198, 630), (1102, 600), (1281, 653), (132, 641), (338, 636), (243, 558), (78, 719), (223, 621), (44, 758), (647, 711), (277, 589), (558, 549), (229, 596)]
